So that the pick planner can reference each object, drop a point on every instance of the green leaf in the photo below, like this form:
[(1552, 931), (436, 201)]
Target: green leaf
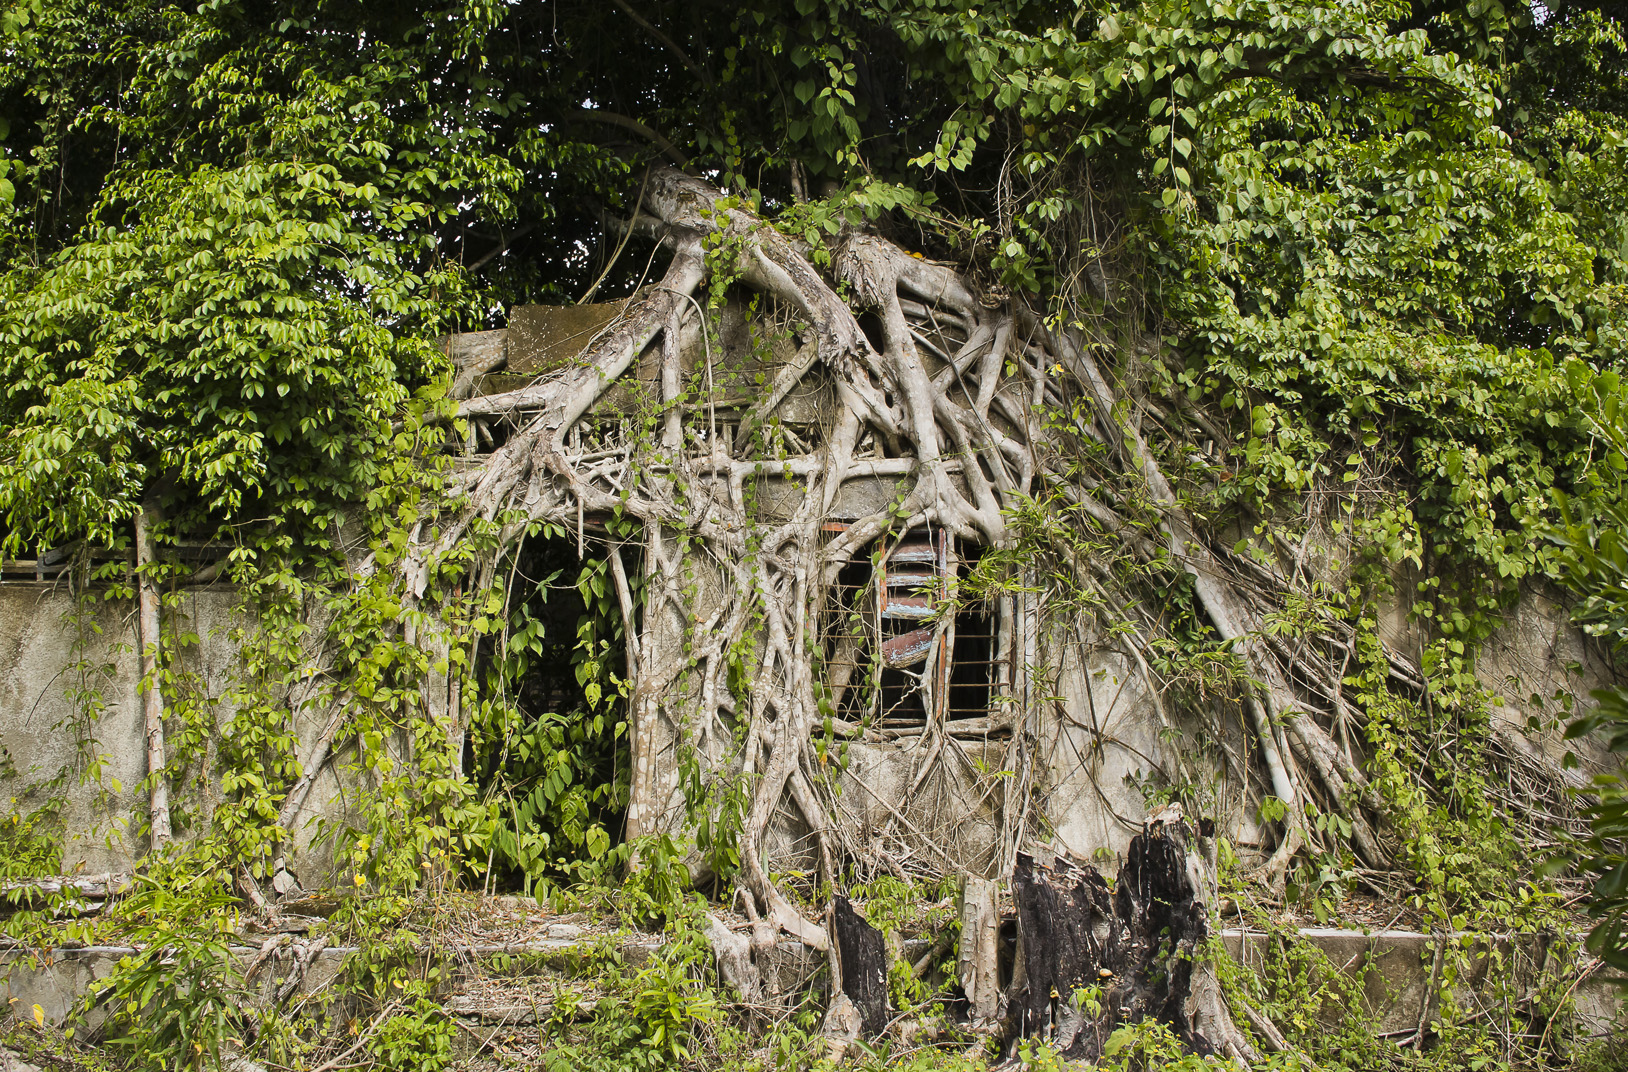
[(1120, 1039)]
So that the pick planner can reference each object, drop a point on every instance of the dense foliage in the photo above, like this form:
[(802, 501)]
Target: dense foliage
[(1383, 234), (1376, 251), (1596, 569), (1387, 236)]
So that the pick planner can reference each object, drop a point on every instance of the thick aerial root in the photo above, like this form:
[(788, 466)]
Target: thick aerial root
[(978, 959), (1237, 621), (735, 965)]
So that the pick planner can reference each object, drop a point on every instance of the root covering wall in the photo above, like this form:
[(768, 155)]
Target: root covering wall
[(70, 708)]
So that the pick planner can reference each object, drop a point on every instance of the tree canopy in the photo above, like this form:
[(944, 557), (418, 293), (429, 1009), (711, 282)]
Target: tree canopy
[(1381, 230)]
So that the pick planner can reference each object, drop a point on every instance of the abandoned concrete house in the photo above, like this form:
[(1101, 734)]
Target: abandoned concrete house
[(811, 527), (903, 684)]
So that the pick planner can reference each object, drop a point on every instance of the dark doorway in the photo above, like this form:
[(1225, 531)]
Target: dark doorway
[(548, 744)]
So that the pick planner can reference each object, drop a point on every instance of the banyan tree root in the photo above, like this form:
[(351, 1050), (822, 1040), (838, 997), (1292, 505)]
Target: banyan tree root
[(971, 406), (1132, 952), (978, 957), (734, 955)]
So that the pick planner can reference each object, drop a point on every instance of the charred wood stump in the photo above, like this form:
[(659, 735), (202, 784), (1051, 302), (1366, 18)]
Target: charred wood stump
[(1139, 941), (863, 956)]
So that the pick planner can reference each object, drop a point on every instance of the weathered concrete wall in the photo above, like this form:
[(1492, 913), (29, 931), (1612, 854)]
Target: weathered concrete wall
[(91, 745), (70, 714), (951, 821), (1103, 736), (1542, 668), (1102, 741)]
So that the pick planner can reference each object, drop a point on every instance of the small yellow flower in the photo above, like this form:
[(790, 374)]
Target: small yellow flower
[(360, 881)]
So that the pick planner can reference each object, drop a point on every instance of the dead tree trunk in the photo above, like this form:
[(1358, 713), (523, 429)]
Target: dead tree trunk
[(152, 701), (863, 956), (1134, 951)]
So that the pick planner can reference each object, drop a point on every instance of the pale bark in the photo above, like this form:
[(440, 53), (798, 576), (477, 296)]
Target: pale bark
[(152, 700), (977, 961)]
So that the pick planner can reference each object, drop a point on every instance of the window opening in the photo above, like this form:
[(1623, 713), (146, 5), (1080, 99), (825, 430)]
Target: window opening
[(893, 659)]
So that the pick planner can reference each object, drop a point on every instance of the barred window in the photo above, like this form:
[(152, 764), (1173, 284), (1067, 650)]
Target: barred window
[(887, 632)]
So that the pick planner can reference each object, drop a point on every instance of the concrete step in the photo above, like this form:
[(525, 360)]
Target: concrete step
[(1397, 970), (56, 978), (517, 984)]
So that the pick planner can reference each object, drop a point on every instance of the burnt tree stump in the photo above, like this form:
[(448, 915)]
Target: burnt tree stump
[(1140, 941), (863, 955)]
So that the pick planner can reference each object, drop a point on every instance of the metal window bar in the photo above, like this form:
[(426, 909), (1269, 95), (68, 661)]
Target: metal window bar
[(878, 637)]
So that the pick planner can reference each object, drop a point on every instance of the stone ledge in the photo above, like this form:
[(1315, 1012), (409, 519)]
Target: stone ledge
[(1394, 968)]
